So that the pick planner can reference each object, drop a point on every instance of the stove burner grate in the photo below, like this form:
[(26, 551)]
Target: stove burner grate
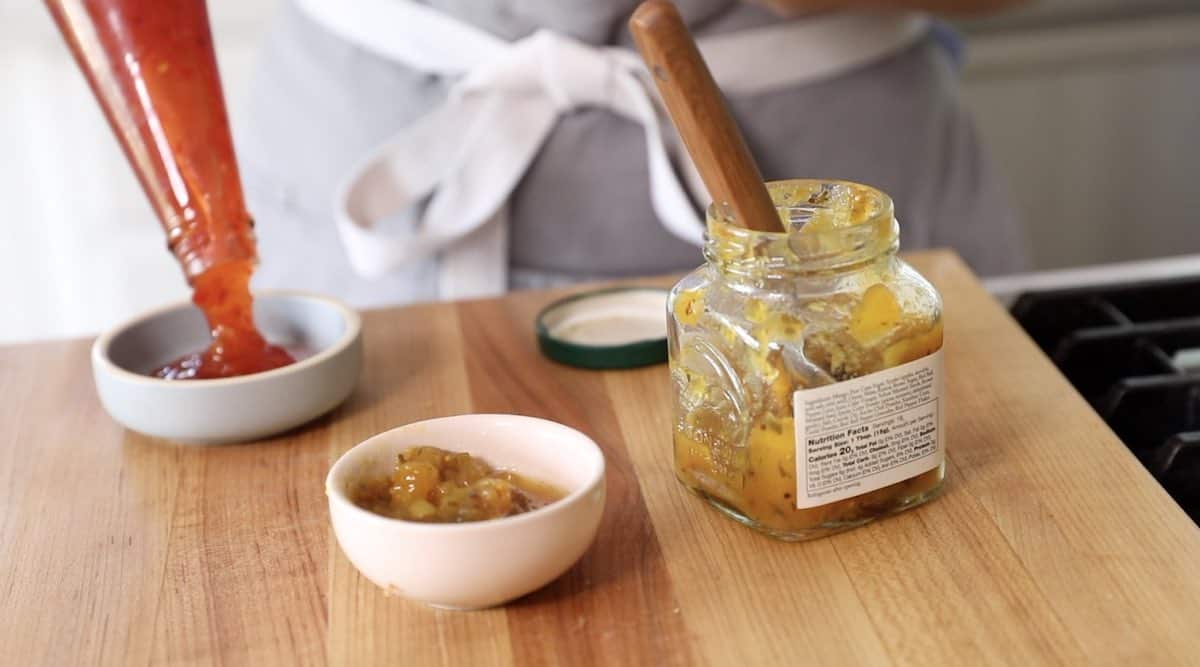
[(1132, 351)]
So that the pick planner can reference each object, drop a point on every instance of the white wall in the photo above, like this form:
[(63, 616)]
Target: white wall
[(1096, 124)]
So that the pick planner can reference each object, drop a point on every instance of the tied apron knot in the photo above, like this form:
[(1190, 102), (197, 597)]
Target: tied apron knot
[(444, 180)]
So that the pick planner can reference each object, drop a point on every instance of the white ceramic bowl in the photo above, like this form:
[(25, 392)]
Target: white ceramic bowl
[(234, 409), (484, 563)]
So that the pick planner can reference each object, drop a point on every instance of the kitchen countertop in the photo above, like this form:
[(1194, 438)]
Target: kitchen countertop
[(1051, 544)]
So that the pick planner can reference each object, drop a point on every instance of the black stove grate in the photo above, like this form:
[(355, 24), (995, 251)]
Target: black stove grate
[(1134, 352)]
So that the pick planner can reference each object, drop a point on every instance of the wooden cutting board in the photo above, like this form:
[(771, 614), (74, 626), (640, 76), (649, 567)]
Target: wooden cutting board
[(1051, 544)]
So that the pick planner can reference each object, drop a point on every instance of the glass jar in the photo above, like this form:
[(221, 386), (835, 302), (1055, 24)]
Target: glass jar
[(825, 318)]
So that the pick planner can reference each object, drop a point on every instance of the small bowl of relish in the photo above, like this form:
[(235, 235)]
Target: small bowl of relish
[(469, 511)]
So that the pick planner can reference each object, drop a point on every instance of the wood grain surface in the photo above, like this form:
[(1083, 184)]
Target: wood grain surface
[(1051, 544)]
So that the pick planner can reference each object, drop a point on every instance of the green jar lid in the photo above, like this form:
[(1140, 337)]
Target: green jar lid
[(624, 327)]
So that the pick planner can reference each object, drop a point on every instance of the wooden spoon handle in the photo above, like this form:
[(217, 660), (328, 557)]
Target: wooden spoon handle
[(701, 116)]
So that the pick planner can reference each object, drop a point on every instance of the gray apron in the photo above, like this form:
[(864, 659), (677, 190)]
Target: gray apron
[(582, 210)]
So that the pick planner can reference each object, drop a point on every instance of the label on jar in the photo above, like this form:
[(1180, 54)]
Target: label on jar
[(859, 435)]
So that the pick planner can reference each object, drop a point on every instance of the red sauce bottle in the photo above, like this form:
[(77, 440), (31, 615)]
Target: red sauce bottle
[(152, 67)]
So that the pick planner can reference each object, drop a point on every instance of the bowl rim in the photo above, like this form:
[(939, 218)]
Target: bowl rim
[(595, 479), (103, 362)]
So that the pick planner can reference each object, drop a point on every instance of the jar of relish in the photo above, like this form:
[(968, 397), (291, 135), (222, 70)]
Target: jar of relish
[(806, 367)]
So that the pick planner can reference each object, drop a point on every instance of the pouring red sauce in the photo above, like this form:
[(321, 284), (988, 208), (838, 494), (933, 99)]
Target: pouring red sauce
[(152, 67)]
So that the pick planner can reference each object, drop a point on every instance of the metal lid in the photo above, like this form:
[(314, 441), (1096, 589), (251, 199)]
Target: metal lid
[(624, 327)]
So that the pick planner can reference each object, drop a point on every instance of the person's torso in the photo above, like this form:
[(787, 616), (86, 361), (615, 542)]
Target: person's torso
[(583, 207)]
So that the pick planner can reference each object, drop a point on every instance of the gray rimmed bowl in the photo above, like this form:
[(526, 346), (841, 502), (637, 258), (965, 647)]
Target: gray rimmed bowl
[(478, 564), (237, 409)]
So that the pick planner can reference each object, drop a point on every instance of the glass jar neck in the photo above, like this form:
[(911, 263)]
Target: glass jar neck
[(831, 227)]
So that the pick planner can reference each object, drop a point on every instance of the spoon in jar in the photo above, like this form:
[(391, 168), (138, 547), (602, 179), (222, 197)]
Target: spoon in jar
[(701, 116)]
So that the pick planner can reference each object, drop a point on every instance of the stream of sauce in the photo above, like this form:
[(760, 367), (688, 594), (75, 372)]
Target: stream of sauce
[(153, 69)]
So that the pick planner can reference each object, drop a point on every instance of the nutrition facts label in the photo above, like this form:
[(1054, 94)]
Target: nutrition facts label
[(863, 434)]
